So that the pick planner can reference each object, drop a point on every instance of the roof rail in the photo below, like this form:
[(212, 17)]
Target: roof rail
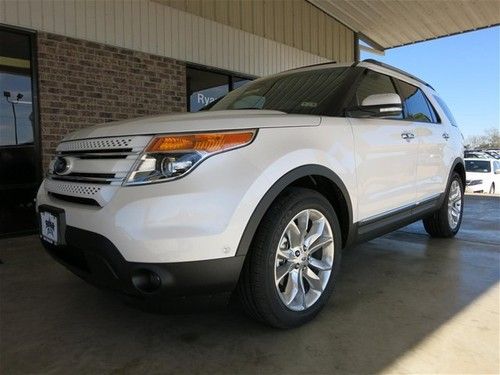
[(397, 70), (308, 66)]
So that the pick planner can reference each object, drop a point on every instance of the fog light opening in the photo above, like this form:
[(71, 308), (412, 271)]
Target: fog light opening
[(145, 280)]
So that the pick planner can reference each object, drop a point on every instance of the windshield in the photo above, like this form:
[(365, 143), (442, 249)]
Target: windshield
[(478, 166), (293, 92)]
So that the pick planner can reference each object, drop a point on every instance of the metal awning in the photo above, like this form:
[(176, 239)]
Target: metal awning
[(387, 24)]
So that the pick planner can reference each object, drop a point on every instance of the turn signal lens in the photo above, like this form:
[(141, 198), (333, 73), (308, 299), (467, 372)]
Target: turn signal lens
[(169, 157), (203, 142)]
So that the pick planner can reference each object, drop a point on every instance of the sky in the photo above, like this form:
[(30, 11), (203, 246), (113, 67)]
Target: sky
[(464, 69)]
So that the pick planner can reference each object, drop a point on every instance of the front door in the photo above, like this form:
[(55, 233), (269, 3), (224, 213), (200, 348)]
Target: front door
[(385, 156), (386, 166), (19, 151)]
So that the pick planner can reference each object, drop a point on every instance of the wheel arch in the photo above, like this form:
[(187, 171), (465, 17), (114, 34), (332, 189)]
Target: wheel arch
[(316, 177), (458, 167)]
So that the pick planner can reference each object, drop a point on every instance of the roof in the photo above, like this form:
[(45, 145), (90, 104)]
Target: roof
[(397, 70), (387, 24), (364, 63)]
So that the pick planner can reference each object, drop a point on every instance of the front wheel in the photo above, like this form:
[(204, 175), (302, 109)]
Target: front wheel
[(446, 222), (290, 271)]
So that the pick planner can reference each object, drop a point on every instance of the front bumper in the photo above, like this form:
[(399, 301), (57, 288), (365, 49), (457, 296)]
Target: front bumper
[(199, 217), (96, 259), (480, 188)]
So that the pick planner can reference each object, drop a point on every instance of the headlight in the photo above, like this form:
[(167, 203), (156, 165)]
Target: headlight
[(172, 156)]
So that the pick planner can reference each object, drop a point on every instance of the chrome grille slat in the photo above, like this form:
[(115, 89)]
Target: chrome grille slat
[(98, 166), (86, 179), (108, 143), (99, 155)]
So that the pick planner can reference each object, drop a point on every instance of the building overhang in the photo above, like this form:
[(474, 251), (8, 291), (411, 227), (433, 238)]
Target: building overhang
[(395, 23)]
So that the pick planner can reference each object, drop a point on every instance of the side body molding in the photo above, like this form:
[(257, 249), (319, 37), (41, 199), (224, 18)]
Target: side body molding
[(278, 187)]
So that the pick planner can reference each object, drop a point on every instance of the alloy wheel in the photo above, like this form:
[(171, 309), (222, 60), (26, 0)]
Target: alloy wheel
[(304, 260), (454, 204)]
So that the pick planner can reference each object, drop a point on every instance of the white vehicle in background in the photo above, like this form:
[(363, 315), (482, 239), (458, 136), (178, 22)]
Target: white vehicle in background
[(482, 175), (476, 155), (493, 153)]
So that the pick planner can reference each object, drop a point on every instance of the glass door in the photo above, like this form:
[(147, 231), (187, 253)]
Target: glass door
[(19, 137)]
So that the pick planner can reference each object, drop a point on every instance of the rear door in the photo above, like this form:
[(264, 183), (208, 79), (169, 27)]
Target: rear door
[(385, 157), (431, 136)]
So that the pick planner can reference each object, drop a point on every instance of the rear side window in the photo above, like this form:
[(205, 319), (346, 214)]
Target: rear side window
[(416, 107), (446, 110)]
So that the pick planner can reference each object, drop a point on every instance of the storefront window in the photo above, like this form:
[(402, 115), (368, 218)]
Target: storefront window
[(238, 82), (205, 86), (19, 154), (16, 110)]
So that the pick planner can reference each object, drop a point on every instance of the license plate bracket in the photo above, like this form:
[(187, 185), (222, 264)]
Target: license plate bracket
[(52, 224)]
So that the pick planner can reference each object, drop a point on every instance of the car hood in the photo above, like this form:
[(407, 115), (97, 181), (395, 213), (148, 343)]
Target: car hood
[(200, 121)]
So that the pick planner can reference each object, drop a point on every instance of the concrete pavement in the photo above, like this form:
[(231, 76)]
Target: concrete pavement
[(404, 303)]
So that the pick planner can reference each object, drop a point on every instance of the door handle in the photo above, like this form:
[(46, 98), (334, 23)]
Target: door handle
[(446, 136), (408, 136)]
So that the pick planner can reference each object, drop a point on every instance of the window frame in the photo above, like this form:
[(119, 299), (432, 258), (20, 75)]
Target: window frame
[(446, 110)]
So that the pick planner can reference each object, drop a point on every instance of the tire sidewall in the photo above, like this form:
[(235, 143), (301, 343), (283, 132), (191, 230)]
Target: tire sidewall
[(278, 308)]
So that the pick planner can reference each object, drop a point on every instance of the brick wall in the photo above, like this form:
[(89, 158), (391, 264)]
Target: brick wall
[(84, 83)]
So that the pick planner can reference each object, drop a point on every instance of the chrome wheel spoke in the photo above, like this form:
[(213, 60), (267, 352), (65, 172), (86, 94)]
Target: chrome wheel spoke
[(313, 280), (292, 288), (301, 300), (285, 254), (293, 234), (319, 264), (320, 243), (282, 271), (315, 232), (303, 224)]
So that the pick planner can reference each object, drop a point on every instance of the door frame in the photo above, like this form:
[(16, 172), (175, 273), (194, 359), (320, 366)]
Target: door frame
[(37, 134)]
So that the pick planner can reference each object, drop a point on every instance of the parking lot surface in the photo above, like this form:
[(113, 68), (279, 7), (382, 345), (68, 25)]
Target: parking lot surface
[(404, 303)]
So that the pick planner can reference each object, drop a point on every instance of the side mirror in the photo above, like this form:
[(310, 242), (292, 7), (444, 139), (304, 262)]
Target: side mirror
[(497, 171), (378, 105)]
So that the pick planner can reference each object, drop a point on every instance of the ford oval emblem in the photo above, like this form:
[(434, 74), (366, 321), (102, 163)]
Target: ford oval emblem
[(62, 166)]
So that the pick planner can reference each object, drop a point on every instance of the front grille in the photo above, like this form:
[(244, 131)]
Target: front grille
[(96, 144), (97, 167)]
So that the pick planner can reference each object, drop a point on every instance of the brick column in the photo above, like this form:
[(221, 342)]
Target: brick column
[(84, 83)]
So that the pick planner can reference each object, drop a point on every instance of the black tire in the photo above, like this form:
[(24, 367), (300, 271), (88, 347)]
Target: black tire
[(492, 189), (438, 225), (256, 289)]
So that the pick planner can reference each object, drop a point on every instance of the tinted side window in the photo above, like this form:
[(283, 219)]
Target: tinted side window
[(415, 104), (373, 83)]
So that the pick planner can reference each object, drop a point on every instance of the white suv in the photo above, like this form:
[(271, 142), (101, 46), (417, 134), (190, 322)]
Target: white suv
[(482, 175), (257, 195)]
